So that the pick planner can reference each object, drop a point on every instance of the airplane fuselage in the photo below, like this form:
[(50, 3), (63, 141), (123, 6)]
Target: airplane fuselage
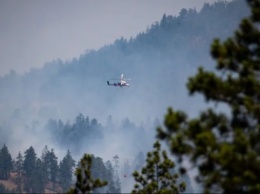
[(121, 84)]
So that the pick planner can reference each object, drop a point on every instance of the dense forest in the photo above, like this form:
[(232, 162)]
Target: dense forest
[(32, 174), (29, 173), (48, 106), (88, 132)]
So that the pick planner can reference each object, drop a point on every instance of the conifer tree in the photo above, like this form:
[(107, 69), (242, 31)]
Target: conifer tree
[(5, 163), (98, 170), (45, 164), (66, 171), (19, 171), (54, 168), (224, 147), (156, 176), (50, 166), (37, 178), (29, 166), (85, 182)]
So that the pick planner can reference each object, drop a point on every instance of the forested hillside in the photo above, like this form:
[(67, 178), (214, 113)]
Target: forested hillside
[(46, 174), (158, 60), (68, 105)]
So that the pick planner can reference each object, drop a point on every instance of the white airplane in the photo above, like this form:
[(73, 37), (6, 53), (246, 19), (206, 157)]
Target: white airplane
[(122, 82)]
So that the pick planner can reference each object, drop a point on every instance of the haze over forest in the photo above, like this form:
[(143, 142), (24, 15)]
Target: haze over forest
[(51, 105)]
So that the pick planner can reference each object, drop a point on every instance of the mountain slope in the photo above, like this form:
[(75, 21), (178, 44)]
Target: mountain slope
[(158, 60)]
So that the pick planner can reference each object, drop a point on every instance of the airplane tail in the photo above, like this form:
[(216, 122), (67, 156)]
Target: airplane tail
[(107, 82)]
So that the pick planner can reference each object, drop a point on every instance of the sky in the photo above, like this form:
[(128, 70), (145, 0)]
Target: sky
[(35, 32)]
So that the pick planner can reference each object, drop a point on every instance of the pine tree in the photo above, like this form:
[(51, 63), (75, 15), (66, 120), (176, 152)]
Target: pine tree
[(224, 147), (156, 176), (5, 163), (45, 164), (37, 178), (29, 167), (50, 166), (66, 171), (19, 171), (85, 182), (54, 169), (98, 170)]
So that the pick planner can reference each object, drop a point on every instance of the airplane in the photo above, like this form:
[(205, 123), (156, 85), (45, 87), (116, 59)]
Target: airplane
[(121, 83)]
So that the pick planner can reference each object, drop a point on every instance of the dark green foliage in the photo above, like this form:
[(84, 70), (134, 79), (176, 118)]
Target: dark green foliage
[(45, 162), (156, 177), (34, 175), (29, 168), (29, 161), (36, 181), (51, 168), (5, 163), (98, 170), (83, 130), (225, 147), (85, 182), (54, 169), (66, 171), (37, 172), (19, 170)]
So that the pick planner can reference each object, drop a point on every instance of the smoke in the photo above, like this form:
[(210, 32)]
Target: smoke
[(159, 62)]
